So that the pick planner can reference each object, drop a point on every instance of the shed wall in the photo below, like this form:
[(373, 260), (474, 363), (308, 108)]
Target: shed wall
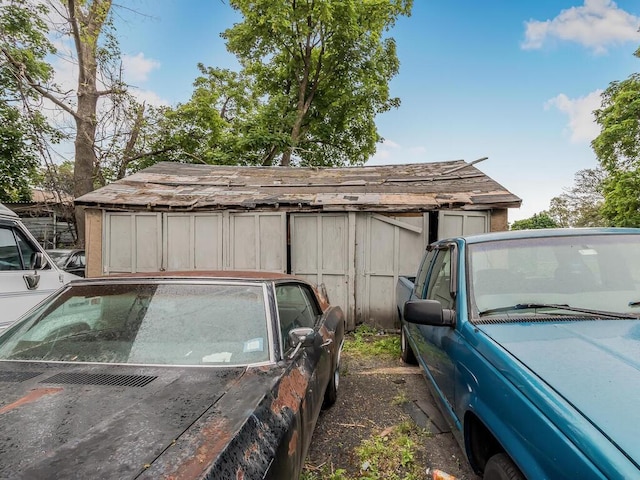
[(357, 255)]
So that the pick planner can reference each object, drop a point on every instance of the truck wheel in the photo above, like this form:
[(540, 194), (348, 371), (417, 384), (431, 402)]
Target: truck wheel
[(501, 467), (407, 354)]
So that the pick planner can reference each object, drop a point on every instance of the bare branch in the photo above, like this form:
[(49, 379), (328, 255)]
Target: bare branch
[(21, 71)]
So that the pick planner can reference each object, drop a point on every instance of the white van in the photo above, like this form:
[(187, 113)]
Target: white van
[(27, 274)]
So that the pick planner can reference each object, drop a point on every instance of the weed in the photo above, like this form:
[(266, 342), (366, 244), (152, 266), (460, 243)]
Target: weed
[(367, 341), (325, 472), (400, 399), (391, 455)]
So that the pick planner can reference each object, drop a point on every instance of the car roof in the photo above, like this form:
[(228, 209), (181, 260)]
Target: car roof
[(230, 275), (210, 274), (545, 232), (7, 212)]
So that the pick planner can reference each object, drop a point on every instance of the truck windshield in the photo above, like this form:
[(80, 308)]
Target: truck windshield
[(588, 272)]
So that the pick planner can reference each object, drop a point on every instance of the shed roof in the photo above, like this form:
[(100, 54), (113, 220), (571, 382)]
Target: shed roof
[(396, 188)]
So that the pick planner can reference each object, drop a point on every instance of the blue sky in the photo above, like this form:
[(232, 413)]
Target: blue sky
[(512, 80)]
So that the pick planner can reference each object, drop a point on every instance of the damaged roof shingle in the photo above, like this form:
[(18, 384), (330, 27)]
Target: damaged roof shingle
[(393, 188)]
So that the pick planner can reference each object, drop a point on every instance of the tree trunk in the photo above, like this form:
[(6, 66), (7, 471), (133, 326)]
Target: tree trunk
[(86, 26), (85, 156), (306, 91), (295, 136)]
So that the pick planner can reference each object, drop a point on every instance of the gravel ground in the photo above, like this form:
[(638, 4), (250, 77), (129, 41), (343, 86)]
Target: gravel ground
[(368, 405)]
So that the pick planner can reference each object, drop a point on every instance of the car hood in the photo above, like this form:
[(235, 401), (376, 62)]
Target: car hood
[(103, 421), (594, 365)]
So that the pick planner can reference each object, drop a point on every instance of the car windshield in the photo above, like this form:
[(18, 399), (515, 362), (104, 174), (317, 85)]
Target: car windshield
[(543, 275), (175, 323)]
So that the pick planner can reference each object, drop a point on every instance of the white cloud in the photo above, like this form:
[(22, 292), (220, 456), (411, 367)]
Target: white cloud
[(596, 25), (137, 67), (418, 150), (582, 125), (148, 97), (392, 153), (390, 144)]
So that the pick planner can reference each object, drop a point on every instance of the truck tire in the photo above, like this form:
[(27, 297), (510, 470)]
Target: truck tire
[(407, 353), (501, 467)]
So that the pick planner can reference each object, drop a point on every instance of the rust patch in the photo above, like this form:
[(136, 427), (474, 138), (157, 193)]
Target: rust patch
[(32, 396), (293, 444), (213, 438), (253, 448), (240, 474), (291, 389)]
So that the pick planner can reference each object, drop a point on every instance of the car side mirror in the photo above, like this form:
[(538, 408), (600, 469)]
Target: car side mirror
[(37, 261), (429, 312), (301, 337)]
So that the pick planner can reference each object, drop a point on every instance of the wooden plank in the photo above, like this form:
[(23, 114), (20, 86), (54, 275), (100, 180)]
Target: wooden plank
[(93, 242), (434, 415)]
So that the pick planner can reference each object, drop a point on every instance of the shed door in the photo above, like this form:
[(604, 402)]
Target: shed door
[(322, 251), (452, 223), (257, 241), (133, 242), (390, 246), (192, 241)]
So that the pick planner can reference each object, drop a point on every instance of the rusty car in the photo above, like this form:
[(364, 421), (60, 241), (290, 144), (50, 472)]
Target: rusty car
[(169, 375)]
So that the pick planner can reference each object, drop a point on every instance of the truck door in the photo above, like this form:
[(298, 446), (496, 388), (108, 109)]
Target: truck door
[(440, 342), (21, 287)]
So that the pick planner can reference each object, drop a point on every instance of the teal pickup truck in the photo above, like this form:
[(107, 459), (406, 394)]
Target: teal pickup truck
[(530, 342)]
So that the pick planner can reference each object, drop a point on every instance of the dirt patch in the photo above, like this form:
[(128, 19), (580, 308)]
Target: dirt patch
[(377, 394)]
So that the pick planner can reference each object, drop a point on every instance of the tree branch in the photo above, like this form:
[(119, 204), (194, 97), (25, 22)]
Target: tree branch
[(21, 72)]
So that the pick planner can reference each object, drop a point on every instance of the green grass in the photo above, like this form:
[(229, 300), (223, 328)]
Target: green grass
[(389, 456), (367, 341), (325, 473)]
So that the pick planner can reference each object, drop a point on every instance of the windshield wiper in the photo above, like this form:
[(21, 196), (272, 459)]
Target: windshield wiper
[(564, 306)]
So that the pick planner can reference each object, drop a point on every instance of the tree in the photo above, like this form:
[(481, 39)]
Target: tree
[(94, 49), (322, 69), (538, 220), (57, 178), (618, 150), (22, 126), (212, 127), (582, 204), (18, 160)]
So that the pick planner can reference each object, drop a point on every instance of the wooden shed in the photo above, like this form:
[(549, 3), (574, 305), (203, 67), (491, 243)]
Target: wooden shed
[(49, 217), (355, 229)]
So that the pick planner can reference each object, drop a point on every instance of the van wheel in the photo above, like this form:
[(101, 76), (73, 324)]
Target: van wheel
[(501, 467), (407, 353)]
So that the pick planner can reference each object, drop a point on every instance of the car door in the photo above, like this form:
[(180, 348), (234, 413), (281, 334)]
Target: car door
[(21, 287), (298, 307), (439, 342)]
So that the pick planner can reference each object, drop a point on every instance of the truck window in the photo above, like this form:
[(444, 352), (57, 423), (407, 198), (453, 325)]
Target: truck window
[(421, 279), (440, 279)]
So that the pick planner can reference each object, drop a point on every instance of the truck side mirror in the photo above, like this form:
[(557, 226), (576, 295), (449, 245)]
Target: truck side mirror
[(428, 312)]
